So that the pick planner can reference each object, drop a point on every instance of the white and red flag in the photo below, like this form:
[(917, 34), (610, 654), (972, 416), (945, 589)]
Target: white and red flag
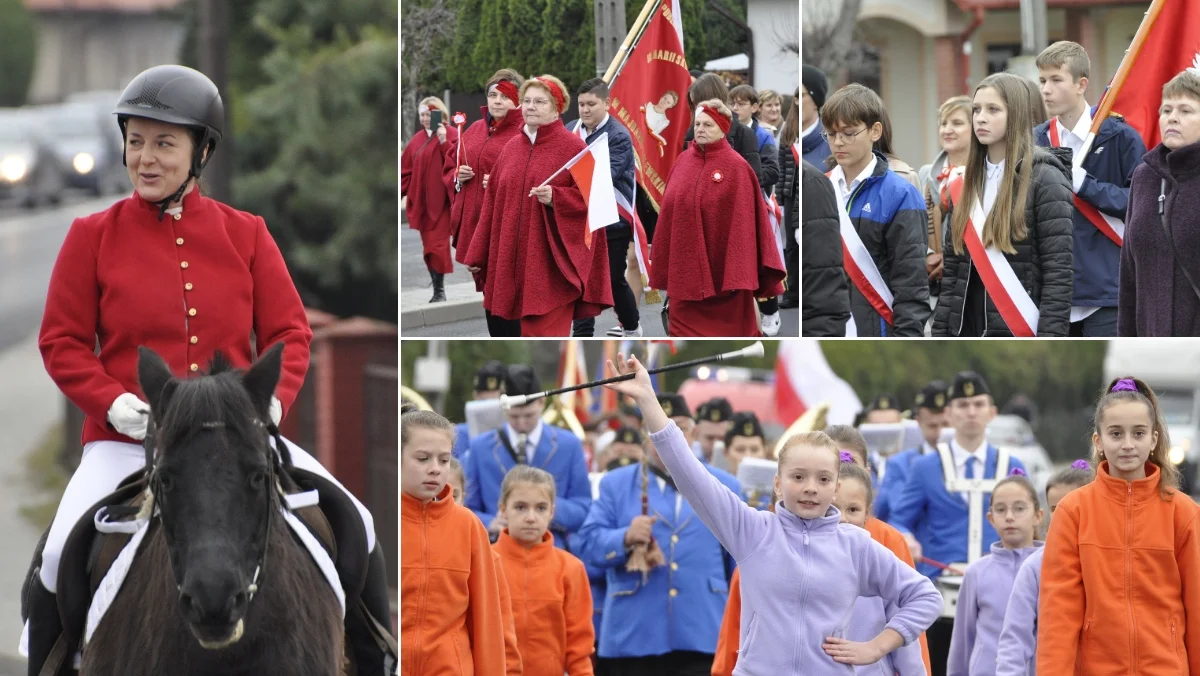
[(592, 171), (804, 379)]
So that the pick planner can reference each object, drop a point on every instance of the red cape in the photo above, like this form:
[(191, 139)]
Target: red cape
[(713, 234), (421, 179), (534, 258), (481, 148)]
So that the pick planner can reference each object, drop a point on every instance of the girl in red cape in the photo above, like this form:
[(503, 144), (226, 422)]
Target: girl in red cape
[(470, 162), (428, 205), (540, 264), (713, 248)]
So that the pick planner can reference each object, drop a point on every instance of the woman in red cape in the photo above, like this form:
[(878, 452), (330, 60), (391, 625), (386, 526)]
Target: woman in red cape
[(714, 250), (428, 205), (470, 162), (540, 264)]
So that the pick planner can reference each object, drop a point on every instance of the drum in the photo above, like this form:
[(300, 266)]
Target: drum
[(948, 585)]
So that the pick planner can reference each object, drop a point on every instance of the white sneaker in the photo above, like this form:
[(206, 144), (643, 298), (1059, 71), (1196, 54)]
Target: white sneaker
[(615, 332), (771, 324), (636, 333)]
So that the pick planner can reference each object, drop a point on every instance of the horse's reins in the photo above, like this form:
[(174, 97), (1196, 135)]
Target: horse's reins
[(149, 445)]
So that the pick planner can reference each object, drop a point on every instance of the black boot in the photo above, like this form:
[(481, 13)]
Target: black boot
[(45, 626), (439, 287), (372, 658)]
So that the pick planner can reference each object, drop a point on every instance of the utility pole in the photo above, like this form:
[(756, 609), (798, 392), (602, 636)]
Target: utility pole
[(610, 31), (213, 59), (1033, 27)]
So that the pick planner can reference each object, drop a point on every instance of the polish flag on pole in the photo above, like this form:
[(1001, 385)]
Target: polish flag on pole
[(593, 174), (804, 379), (775, 216)]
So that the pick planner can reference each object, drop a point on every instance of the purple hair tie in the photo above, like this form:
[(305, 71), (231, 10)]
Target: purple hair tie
[(1018, 472), (1080, 464), (1124, 385), (846, 456)]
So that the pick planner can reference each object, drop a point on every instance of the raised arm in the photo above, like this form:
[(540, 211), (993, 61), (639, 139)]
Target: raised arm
[(738, 526)]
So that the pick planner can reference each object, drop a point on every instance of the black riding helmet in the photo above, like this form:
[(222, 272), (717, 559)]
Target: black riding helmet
[(176, 95)]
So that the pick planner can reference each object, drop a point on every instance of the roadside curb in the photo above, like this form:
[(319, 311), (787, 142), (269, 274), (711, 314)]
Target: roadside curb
[(447, 312)]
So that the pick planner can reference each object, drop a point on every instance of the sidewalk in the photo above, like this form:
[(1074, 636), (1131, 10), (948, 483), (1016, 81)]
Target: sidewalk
[(462, 303), (30, 404)]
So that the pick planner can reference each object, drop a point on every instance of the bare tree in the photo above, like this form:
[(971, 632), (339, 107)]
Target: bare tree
[(423, 28), (830, 36)]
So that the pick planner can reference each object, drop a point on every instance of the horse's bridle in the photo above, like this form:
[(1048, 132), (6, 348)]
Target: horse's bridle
[(272, 482)]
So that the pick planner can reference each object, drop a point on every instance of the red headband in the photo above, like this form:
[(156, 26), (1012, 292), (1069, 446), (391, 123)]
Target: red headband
[(720, 120), (508, 89), (554, 91)]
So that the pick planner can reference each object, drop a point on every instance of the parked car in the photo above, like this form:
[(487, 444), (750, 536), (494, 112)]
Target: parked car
[(88, 143), (30, 170)]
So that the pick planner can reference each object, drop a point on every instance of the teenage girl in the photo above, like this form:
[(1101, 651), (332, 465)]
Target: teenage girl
[(552, 598), (1120, 595), (794, 627), (1018, 638), (451, 617), (1015, 513)]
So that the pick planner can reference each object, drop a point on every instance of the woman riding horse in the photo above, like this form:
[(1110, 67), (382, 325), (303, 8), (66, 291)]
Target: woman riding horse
[(184, 275)]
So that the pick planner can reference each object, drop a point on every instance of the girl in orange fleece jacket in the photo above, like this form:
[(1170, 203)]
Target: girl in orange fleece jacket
[(451, 617), (1120, 589), (551, 594)]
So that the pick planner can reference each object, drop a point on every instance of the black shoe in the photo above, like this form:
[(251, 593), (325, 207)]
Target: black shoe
[(439, 287), (45, 626), (371, 656)]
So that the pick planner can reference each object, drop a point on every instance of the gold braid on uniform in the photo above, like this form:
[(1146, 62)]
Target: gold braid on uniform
[(644, 558)]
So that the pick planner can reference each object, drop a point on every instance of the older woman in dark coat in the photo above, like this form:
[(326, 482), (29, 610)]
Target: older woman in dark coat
[(1158, 294)]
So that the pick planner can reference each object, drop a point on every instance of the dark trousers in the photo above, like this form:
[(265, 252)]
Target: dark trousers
[(499, 327), (938, 637), (675, 663), (624, 300), (1100, 324)]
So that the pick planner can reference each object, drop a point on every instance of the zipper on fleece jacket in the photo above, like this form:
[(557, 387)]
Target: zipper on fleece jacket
[(1129, 576)]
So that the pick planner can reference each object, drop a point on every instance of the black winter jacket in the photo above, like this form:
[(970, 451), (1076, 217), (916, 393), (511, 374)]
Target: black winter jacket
[(1043, 262), (826, 290)]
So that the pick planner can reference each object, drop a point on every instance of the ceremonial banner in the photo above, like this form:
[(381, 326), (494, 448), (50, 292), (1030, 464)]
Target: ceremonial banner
[(649, 97), (1167, 42), (803, 379)]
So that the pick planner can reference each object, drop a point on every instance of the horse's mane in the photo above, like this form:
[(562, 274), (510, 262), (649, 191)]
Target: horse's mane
[(216, 399)]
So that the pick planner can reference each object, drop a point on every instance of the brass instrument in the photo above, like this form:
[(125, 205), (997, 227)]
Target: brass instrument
[(411, 395), (558, 415), (813, 419)]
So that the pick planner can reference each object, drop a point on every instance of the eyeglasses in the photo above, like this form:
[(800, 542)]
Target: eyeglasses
[(844, 136), (536, 103)]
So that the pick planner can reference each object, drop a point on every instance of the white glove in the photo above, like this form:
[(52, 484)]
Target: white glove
[(276, 411), (129, 416)]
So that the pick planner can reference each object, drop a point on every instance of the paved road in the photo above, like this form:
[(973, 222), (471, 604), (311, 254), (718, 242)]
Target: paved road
[(29, 243)]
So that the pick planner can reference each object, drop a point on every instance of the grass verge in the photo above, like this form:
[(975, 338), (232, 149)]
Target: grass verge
[(46, 476)]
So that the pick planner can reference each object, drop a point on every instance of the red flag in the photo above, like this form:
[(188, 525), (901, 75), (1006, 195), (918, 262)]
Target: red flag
[(649, 97), (1167, 43)]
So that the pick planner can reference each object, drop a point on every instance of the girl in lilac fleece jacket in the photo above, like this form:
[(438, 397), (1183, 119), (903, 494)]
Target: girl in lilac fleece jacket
[(802, 570), (979, 616), (1017, 649)]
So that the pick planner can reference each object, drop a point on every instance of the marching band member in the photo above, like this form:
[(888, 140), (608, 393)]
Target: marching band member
[(667, 620), (1120, 596), (1011, 275), (428, 205), (470, 163), (1018, 638), (791, 628), (884, 408), (930, 406), (489, 384), (625, 449), (927, 507), (549, 587), (540, 263), (450, 608), (745, 439), (712, 423), (982, 603), (526, 440), (714, 250)]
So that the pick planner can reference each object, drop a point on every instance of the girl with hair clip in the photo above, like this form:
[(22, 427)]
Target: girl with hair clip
[(428, 198), (1121, 596), (1015, 513), (451, 615), (1018, 639), (1008, 254), (793, 628), (550, 591)]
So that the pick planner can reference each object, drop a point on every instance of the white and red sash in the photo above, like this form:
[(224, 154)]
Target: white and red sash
[(1110, 227), (1011, 299), (860, 267)]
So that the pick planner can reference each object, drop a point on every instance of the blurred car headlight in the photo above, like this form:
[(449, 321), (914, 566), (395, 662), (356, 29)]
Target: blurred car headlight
[(13, 168), (1179, 451), (83, 163)]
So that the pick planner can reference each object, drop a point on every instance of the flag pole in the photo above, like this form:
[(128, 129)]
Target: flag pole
[(573, 160), (635, 33), (1110, 94)]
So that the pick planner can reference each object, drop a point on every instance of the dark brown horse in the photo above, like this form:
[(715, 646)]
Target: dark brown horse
[(221, 586)]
